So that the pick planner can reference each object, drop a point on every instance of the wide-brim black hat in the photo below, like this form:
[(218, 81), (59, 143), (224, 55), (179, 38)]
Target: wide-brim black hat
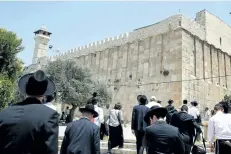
[(36, 84), (155, 110), (194, 103), (89, 108)]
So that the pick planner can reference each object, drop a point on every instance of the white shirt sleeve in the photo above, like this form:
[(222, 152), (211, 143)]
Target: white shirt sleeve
[(101, 116), (211, 131), (198, 112)]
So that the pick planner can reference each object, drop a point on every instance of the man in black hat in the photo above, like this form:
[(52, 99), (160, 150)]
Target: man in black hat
[(82, 136), (29, 126), (138, 124), (161, 137)]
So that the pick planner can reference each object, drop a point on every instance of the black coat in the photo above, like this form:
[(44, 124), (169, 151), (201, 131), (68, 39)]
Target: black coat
[(28, 127), (187, 127), (81, 137), (184, 122), (138, 113), (163, 138)]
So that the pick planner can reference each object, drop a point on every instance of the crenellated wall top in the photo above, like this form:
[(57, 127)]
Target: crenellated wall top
[(164, 26)]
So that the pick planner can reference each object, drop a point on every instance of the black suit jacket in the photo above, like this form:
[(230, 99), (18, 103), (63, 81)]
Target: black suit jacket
[(81, 137), (163, 138), (184, 122), (186, 125), (28, 127), (138, 113)]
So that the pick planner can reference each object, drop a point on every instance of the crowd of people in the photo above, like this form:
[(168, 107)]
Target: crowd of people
[(31, 126), (170, 130)]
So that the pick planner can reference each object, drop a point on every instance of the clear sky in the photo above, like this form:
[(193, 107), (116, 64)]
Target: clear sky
[(79, 23)]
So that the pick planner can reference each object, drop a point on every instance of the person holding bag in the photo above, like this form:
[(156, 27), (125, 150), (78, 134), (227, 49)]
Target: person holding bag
[(115, 122)]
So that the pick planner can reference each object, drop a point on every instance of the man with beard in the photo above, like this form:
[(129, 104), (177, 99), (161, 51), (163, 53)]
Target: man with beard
[(186, 125)]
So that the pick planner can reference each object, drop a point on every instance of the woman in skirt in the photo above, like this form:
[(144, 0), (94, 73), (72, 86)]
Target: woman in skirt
[(115, 122)]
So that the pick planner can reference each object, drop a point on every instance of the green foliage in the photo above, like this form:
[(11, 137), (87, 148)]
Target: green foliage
[(10, 65), (6, 95), (18, 97), (104, 94), (74, 84), (227, 98), (10, 46)]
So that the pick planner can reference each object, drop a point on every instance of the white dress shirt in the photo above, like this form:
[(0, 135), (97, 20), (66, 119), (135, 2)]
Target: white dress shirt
[(194, 112), (153, 103), (100, 119), (219, 126)]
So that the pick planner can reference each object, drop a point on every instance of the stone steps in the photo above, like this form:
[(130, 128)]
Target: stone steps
[(129, 147)]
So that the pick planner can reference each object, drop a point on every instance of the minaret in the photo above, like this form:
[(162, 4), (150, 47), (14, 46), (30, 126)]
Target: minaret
[(42, 37)]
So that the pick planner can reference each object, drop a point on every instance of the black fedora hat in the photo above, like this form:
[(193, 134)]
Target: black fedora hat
[(36, 84), (155, 110), (194, 103), (89, 108)]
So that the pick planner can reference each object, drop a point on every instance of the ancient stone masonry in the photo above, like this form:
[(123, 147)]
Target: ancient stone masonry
[(176, 58)]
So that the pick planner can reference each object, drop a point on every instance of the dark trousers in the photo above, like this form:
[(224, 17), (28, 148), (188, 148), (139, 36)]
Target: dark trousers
[(139, 139), (222, 146), (187, 149), (103, 131)]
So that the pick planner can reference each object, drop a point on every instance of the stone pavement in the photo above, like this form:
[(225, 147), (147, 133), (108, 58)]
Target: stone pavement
[(129, 142), (127, 132)]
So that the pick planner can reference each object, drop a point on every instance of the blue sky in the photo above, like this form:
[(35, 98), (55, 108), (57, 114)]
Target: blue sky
[(78, 23)]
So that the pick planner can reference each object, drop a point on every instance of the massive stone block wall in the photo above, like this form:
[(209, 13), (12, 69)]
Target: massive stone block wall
[(217, 31), (206, 70), (137, 68)]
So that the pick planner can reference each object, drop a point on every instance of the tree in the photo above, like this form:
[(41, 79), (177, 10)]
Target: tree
[(75, 84), (10, 46), (10, 65), (227, 98), (6, 95)]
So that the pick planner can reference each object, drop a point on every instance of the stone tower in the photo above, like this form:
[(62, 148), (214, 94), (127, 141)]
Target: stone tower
[(42, 37)]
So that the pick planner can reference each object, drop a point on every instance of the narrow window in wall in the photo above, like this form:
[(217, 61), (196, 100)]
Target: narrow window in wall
[(194, 55), (220, 41)]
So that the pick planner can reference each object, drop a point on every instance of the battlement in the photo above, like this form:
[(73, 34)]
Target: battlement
[(164, 26)]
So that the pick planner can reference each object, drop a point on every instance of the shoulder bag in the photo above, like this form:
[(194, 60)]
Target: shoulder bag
[(197, 149)]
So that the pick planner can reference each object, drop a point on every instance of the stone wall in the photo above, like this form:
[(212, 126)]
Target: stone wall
[(137, 68), (207, 67)]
